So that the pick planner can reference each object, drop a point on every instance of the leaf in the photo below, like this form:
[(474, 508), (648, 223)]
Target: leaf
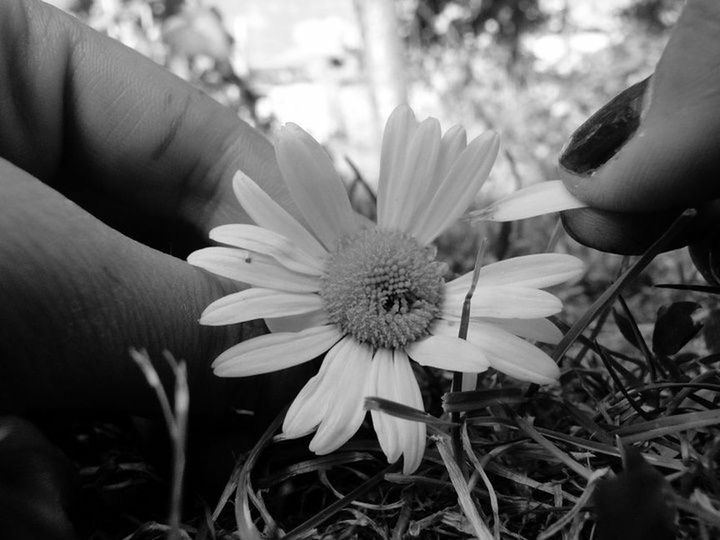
[(637, 504), (675, 327), (626, 328), (711, 331)]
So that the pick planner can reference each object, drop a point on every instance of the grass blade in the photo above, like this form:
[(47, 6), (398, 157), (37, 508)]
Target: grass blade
[(463, 491), (631, 273)]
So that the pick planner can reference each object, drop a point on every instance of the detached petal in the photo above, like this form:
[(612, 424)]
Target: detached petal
[(540, 270), (264, 211), (273, 352), (314, 185), (504, 302), (252, 268), (457, 191), (407, 190), (512, 355), (267, 242), (345, 410), (447, 352), (257, 303), (400, 127), (536, 200)]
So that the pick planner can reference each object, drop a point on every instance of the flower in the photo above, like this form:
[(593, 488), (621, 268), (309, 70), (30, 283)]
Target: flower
[(372, 295)]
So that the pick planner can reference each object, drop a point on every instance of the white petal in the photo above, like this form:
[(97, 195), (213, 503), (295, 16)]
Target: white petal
[(314, 185), (267, 242), (411, 435), (513, 355), (447, 352), (536, 200), (399, 129), (272, 352), (533, 329), (257, 303), (297, 323), (380, 384), (452, 144), (406, 190), (454, 141), (264, 211), (457, 191), (504, 302), (252, 268), (345, 410), (539, 270), (308, 408)]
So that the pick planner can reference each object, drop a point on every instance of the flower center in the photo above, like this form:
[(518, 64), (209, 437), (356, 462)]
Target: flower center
[(383, 288)]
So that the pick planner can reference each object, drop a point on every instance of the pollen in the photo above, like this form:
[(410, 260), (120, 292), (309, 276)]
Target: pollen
[(383, 288)]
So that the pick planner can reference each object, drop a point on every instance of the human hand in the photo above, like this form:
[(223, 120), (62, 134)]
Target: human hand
[(147, 162), (655, 149)]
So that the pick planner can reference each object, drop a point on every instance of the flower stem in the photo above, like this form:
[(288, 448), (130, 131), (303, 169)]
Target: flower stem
[(462, 334), (176, 421)]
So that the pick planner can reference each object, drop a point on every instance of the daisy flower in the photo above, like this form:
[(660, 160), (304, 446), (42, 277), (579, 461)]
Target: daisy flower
[(371, 295)]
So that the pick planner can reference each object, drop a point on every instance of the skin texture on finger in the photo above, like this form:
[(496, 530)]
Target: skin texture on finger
[(106, 126), (672, 159), (122, 136), (75, 295)]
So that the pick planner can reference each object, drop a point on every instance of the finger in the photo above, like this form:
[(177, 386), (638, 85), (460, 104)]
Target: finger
[(657, 145), (616, 232), (75, 295), (36, 484), (99, 122)]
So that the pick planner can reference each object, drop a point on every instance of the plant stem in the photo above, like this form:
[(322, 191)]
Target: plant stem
[(462, 334)]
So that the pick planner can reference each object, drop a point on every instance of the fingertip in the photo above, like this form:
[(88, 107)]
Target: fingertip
[(586, 163), (655, 146), (602, 135), (616, 232)]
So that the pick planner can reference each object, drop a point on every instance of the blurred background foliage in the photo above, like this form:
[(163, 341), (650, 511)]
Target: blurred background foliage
[(530, 69), (533, 70)]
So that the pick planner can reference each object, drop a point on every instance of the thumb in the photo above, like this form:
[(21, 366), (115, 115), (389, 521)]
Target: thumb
[(656, 146), (76, 295)]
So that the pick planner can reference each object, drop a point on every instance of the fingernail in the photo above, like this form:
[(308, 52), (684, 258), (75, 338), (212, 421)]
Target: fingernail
[(596, 141)]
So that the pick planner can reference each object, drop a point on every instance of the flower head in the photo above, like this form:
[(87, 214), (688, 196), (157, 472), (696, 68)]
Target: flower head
[(372, 296)]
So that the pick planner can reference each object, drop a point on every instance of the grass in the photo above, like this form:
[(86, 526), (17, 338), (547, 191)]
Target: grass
[(506, 460)]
